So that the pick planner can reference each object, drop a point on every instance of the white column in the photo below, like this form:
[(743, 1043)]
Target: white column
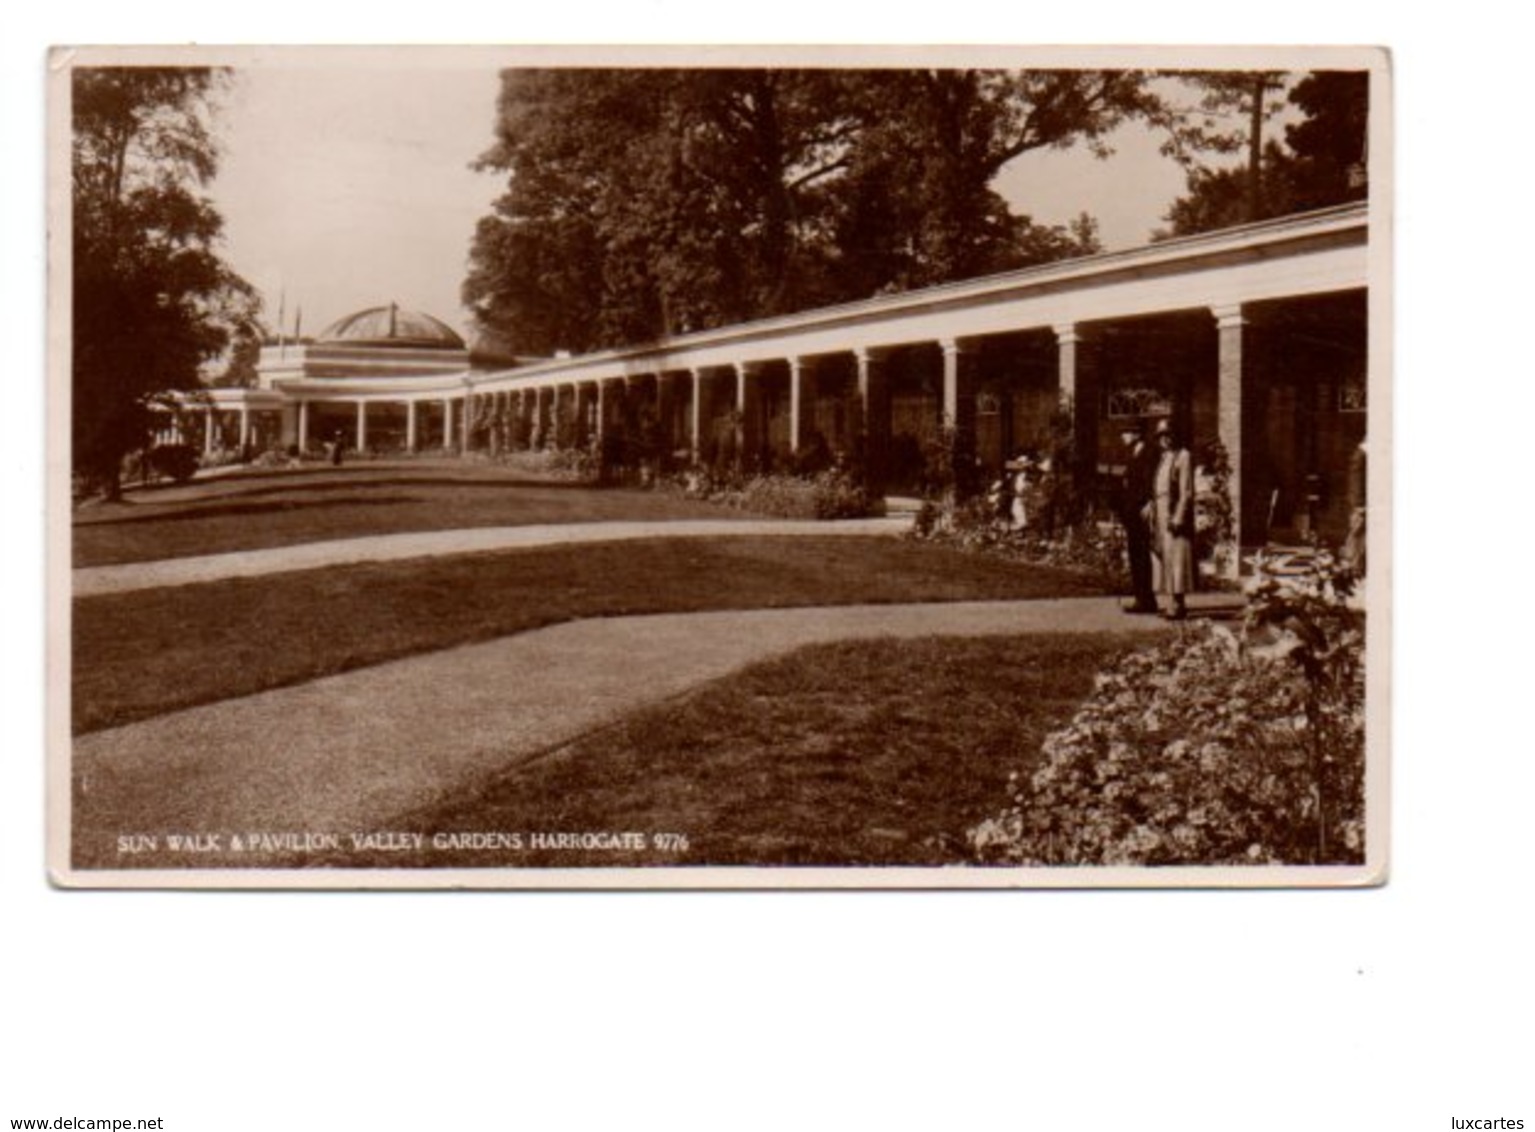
[(245, 426), (303, 425), (796, 403), (1066, 341), (958, 403), (447, 423), (1233, 421), (208, 431), (362, 426), (410, 426), (695, 415)]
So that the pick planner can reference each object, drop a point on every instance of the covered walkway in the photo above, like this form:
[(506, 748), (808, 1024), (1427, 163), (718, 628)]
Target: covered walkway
[(1254, 339)]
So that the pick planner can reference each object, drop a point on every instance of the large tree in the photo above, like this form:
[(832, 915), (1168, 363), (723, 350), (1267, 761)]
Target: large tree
[(650, 202), (153, 301), (645, 203), (921, 207), (1331, 144), (1250, 98)]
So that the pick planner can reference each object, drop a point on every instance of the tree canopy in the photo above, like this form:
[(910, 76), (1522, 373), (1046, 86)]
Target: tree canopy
[(643, 203), (1321, 162), (152, 299)]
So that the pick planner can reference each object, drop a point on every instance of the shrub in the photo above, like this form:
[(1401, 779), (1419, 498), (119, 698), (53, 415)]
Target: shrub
[(552, 463), (175, 461), (1059, 499), (1214, 516), (222, 458), (828, 495), (1211, 749), (277, 457)]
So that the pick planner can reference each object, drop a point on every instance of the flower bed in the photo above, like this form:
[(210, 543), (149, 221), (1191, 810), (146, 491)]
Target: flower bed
[(1216, 748), (551, 463), (1091, 546), (826, 495)]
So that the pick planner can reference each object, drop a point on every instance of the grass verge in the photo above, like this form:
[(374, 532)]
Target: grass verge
[(144, 653)]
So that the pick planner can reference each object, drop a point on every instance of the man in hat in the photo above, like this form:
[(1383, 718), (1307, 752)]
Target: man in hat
[(1135, 511)]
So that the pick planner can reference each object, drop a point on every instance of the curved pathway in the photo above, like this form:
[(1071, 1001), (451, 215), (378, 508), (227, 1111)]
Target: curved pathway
[(91, 580), (348, 752)]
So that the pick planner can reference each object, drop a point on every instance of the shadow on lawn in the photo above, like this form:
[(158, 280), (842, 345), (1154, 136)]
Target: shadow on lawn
[(219, 510), (197, 507)]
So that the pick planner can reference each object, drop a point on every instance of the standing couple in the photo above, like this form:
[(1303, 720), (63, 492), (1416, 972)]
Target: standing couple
[(1157, 510)]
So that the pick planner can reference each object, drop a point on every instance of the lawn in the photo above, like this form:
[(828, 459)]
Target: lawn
[(852, 754), (254, 509), (144, 653)]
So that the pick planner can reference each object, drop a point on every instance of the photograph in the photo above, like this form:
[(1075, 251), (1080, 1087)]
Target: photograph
[(752, 468)]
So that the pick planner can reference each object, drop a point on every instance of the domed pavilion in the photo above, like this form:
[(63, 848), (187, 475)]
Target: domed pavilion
[(381, 378)]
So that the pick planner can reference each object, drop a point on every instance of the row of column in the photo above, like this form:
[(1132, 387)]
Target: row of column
[(594, 406), (212, 430), (412, 428)]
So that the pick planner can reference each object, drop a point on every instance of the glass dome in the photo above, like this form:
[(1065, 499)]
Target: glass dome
[(391, 326)]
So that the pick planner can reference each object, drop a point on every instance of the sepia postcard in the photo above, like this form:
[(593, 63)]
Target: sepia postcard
[(684, 467)]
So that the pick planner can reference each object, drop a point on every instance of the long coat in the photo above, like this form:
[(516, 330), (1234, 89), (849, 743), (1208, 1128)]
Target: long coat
[(1174, 520)]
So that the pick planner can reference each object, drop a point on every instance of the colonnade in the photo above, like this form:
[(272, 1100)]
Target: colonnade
[(1192, 327), (212, 425), (684, 405)]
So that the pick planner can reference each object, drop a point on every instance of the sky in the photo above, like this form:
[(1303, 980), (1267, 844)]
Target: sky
[(348, 188), (351, 187)]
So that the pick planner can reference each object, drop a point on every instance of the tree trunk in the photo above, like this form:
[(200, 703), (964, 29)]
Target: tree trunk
[(1255, 150)]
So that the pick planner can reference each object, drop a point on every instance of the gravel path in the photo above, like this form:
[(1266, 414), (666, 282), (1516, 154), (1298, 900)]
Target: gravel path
[(92, 580), (348, 752)]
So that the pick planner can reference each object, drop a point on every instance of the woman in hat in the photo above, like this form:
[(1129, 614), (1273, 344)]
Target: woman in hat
[(1173, 496)]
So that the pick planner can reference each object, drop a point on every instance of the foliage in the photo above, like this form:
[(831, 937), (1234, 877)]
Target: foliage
[(1331, 143), (629, 449), (1057, 499), (1321, 163), (278, 458), (949, 464), (1088, 546), (918, 206), (645, 203), (153, 301), (1311, 622), (1209, 749), (1246, 96), (1219, 198), (223, 457), (1062, 529), (178, 462), (1214, 515), (243, 358), (552, 463)]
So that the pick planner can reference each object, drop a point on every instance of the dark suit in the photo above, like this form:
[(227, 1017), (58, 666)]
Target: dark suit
[(1139, 487)]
